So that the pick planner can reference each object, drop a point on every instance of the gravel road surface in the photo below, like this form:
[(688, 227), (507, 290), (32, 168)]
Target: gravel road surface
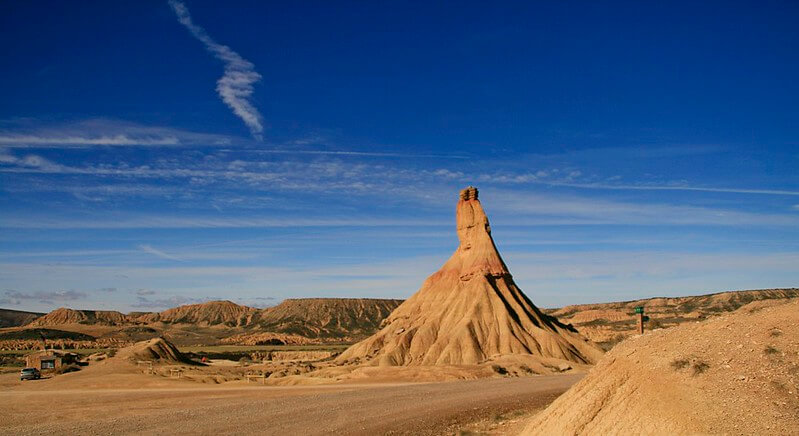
[(429, 408)]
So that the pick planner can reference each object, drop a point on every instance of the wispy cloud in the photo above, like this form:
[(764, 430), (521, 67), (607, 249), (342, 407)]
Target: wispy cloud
[(156, 252), (676, 188), (236, 86), (15, 297), (358, 153), (570, 179), (162, 222), (164, 303), (93, 132), (145, 292), (77, 140), (536, 208)]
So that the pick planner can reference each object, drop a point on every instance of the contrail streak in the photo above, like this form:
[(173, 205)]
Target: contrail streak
[(236, 86)]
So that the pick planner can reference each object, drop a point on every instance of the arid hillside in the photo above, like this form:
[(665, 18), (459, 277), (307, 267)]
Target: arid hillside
[(16, 318), (733, 374), (609, 323), (204, 314), (325, 317), (70, 316), (295, 321)]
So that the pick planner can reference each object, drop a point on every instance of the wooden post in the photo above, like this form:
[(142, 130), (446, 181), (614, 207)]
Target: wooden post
[(639, 310)]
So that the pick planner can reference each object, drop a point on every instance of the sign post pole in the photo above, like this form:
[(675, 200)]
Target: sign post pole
[(639, 310)]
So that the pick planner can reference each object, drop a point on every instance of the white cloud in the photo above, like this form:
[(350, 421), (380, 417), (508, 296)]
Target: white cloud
[(101, 132), (155, 252), (536, 208), (46, 296), (165, 222), (77, 140), (568, 179), (236, 86)]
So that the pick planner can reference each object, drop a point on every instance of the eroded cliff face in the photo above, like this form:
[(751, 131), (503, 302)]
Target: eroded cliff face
[(469, 311)]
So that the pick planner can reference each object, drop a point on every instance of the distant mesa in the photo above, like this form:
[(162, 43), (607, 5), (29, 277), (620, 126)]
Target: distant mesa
[(16, 318), (64, 315), (294, 321), (469, 311), (204, 314), (325, 318)]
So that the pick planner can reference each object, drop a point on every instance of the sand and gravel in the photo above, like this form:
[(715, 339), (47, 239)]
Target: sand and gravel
[(733, 374), (175, 407)]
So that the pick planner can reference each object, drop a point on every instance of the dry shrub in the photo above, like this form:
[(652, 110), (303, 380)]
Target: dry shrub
[(499, 370), (678, 364), (770, 350), (699, 367)]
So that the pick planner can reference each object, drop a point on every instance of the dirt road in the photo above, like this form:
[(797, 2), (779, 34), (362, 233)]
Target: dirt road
[(431, 408)]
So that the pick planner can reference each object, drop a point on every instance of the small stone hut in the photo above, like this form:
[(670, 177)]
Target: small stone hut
[(49, 359)]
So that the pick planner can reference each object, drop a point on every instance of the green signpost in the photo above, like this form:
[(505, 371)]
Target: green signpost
[(639, 310)]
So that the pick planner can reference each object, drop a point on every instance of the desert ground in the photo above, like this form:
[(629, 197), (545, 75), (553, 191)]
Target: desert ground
[(175, 407)]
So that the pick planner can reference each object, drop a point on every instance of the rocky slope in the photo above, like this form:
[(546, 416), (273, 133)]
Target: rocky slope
[(469, 311), (71, 316), (732, 374), (609, 323), (204, 314), (325, 317), (16, 318)]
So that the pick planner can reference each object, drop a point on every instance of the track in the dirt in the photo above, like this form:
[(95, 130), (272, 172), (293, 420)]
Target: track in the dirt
[(433, 408)]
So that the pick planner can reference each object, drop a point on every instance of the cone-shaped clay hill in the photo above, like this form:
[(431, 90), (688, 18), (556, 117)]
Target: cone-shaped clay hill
[(469, 311), (156, 349)]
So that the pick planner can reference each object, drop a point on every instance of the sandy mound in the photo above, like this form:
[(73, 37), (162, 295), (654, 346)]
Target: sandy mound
[(469, 311), (733, 374), (158, 349)]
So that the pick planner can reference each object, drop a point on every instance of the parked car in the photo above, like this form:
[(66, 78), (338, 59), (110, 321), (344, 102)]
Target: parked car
[(29, 374)]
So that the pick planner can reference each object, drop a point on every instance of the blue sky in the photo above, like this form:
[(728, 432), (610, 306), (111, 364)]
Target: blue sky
[(155, 154)]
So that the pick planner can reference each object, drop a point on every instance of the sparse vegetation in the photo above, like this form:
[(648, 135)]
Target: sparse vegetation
[(678, 364), (499, 370), (699, 367), (769, 350)]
